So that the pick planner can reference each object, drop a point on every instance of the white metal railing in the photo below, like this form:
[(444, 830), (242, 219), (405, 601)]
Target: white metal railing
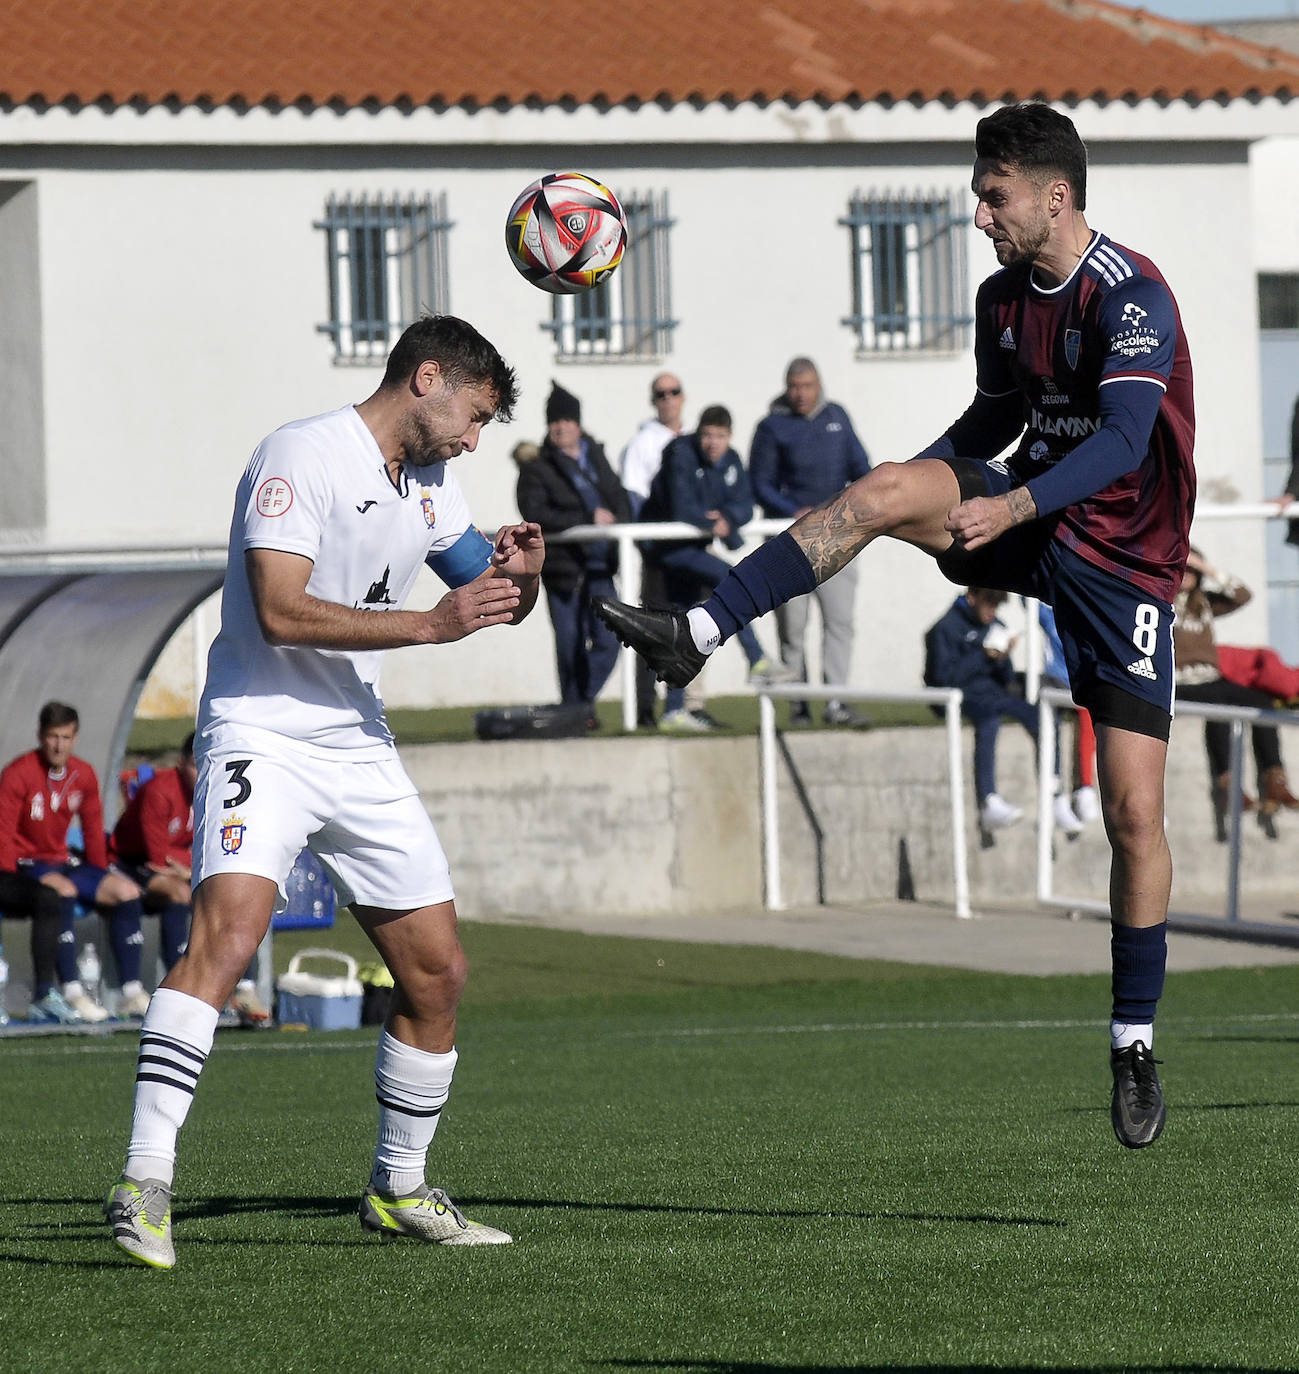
[(1052, 698), (947, 697)]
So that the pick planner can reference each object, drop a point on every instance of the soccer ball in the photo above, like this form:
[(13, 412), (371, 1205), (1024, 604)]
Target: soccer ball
[(566, 233)]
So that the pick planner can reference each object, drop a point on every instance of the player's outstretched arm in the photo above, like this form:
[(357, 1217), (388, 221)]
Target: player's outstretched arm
[(289, 617)]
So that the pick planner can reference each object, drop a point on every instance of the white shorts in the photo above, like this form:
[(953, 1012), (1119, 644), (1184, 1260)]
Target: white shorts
[(259, 801)]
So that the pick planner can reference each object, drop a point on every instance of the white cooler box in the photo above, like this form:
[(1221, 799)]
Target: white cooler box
[(319, 1002)]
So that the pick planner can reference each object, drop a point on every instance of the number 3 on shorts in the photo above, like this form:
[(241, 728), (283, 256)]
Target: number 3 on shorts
[(243, 788), (1146, 634)]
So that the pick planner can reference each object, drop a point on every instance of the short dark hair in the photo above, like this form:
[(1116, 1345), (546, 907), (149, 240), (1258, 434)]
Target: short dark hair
[(187, 746), (462, 353), (715, 415), (56, 713), (1032, 138)]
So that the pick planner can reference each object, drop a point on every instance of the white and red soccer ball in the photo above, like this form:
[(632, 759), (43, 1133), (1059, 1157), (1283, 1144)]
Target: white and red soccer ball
[(566, 233)]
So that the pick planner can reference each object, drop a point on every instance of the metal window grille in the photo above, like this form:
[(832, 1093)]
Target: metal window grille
[(386, 264), (908, 272), (1278, 300), (630, 314)]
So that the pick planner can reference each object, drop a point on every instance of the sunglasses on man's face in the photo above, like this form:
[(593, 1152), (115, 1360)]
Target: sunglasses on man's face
[(665, 392)]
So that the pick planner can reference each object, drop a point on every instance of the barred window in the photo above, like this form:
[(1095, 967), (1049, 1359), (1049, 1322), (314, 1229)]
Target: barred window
[(629, 315), (386, 263), (908, 271), (1278, 300)]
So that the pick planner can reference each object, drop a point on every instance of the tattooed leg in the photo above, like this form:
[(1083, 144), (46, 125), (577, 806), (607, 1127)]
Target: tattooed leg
[(908, 501)]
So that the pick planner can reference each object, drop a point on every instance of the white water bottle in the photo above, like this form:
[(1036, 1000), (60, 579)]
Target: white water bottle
[(4, 988), (88, 972)]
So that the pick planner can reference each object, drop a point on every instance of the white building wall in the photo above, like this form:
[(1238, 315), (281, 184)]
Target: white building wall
[(181, 287)]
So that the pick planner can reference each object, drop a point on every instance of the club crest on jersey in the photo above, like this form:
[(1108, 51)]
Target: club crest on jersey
[(1072, 346), (232, 834), (426, 505)]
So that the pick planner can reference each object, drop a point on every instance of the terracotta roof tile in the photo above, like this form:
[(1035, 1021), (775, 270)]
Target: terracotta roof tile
[(356, 52)]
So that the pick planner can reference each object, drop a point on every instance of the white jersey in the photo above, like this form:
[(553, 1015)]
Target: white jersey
[(643, 456), (320, 488)]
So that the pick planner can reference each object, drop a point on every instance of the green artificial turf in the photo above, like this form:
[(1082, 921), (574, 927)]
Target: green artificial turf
[(713, 1159)]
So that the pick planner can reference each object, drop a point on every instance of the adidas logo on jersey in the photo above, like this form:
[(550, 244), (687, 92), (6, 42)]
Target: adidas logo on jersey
[(1007, 339), (1144, 668)]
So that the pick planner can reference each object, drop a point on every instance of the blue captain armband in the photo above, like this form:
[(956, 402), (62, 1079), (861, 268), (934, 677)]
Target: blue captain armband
[(469, 557)]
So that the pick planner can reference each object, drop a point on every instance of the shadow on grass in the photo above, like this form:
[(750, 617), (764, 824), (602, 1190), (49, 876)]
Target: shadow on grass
[(325, 1207), (764, 1367), (772, 1213)]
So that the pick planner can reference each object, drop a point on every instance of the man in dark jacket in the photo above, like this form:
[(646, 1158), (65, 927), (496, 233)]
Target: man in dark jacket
[(571, 483), (804, 452), (701, 481), (970, 648)]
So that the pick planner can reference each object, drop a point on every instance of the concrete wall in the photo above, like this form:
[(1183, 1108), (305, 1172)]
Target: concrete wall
[(674, 825)]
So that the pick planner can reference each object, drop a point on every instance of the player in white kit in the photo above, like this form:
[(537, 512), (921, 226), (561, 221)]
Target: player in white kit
[(333, 519)]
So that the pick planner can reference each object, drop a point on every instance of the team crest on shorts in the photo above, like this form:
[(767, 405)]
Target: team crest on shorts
[(426, 505), (232, 834)]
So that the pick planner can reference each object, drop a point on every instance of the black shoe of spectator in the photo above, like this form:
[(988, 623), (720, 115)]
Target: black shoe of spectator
[(661, 638)]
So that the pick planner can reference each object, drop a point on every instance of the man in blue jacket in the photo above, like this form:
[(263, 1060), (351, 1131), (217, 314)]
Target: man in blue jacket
[(804, 452), (701, 480)]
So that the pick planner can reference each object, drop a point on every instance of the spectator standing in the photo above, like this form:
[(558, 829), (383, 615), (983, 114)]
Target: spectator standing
[(1291, 492), (1207, 593), (571, 483), (41, 793), (643, 455), (702, 482), (637, 469), (804, 452)]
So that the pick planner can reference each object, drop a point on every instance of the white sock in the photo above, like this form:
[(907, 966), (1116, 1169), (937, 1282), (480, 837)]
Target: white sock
[(703, 629), (1123, 1034), (412, 1087), (175, 1041), (131, 987), (73, 989)]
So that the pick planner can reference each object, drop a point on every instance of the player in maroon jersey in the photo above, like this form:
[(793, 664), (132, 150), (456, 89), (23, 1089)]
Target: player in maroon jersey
[(1082, 363), (41, 793)]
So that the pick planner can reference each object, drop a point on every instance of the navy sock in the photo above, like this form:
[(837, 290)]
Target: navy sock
[(67, 951), (126, 938), (1138, 955), (174, 925), (767, 578)]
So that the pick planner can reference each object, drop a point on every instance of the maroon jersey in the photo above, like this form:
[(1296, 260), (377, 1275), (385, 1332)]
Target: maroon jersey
[(37, 807), (158, 823), (1073, 353)]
